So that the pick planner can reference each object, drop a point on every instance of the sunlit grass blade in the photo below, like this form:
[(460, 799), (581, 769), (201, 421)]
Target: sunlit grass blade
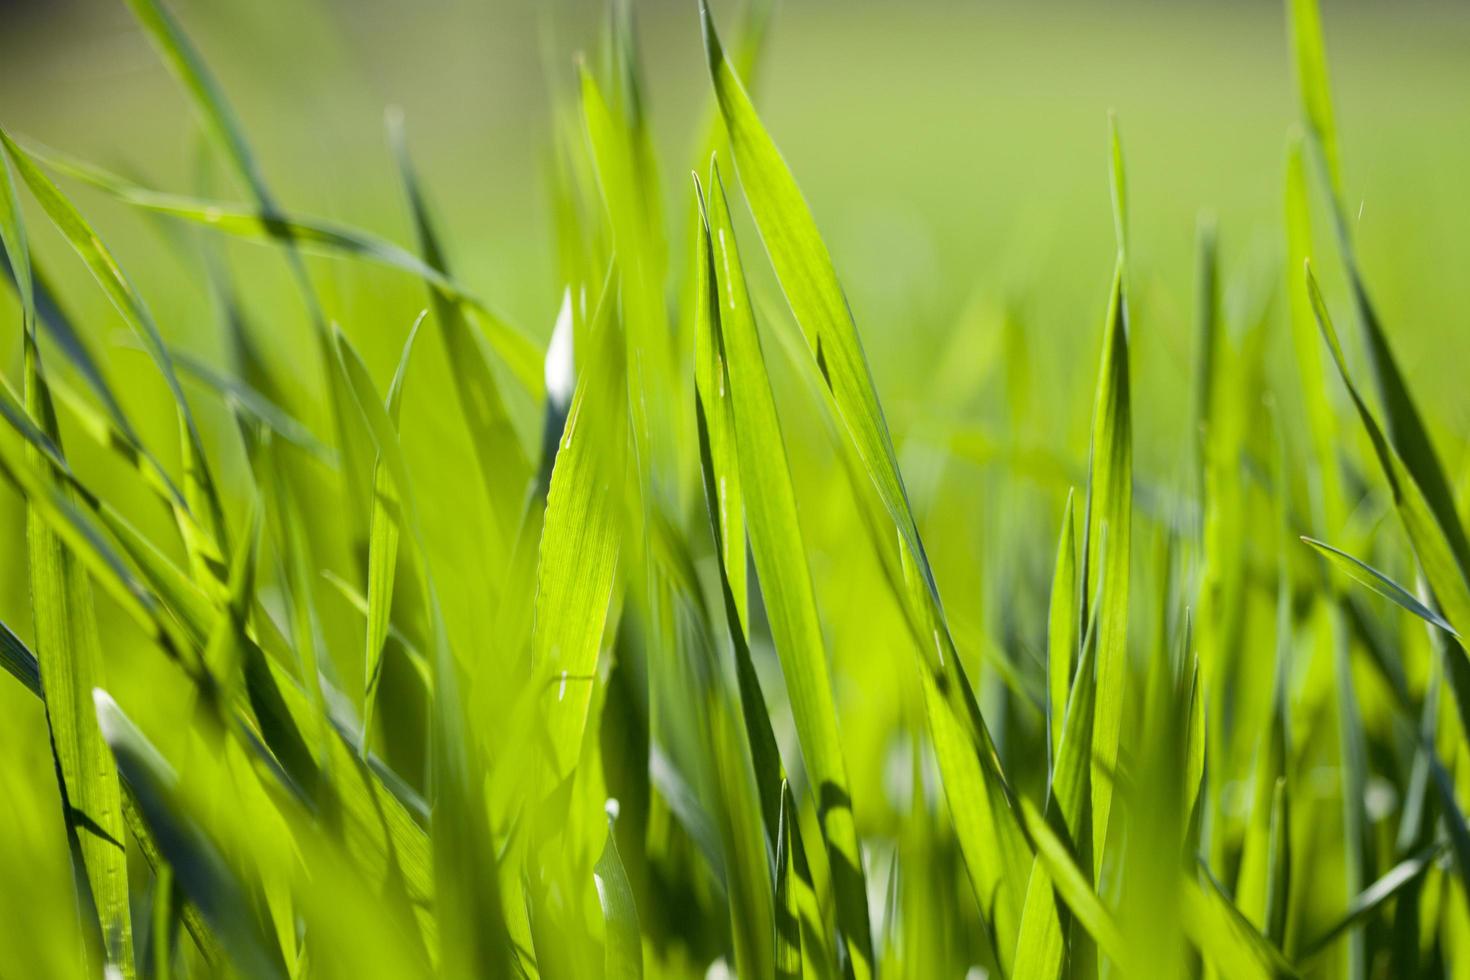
[(70, 650), (1061, 630), (204, 536), (196, 861), (1225, 938), (624, 941), (383, 550), (788, 912), (785, 579), (581, 540), (974, 786), (1374, 897), (1365, 574), (499, 455)]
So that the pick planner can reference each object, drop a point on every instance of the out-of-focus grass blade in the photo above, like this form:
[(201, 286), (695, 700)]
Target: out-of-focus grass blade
[(204, 536), (581, 540), (198, 866), (1374, 897), (1108, 532), (1061, 630), (499, 455), (624, 942), (990, 837), (1375, 580), (256, 223), (1225, 938), (472, 928), (253, 403), (71, 661), (780, 561), (1310, 57), (383, 550)]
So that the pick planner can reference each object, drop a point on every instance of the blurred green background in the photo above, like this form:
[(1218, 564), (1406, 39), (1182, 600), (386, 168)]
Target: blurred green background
[(955, 157)]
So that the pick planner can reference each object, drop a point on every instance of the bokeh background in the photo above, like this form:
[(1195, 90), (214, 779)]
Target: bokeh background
[(954, 154)]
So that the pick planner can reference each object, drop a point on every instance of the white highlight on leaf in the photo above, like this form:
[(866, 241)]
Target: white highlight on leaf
[(561, 372)]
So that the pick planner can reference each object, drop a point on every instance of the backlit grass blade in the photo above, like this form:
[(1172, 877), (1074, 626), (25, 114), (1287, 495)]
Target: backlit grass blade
[(305, 234), (1375, 580), (788, 911), (473, 934), (1061, 630), (974, 786), (1427, 535), (1105, 558), (1108, 524), (70, 650), (205, 539), (383, 550), (1405, 426), (499, 455), (1374, 897), (581, 541), (198, 866), (780, 561), (1071, 884), (623, 955), (1041, 942), (1226, 939)]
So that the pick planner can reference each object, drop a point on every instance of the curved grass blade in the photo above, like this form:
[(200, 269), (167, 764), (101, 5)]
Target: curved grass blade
[(1226, 939), (1374, 897), (624, 943), (259, 224), (788, 911), (1375, 580), (780, 561), (204, 539), (978, 798)]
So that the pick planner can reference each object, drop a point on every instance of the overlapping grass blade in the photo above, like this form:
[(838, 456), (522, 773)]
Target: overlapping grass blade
[(1061, 631), (71, 661), (624, 942), (780, 561), (1375, 580), (1108, 525), (978, 798)]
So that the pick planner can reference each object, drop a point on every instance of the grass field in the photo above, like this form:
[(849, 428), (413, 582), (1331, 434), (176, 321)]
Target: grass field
[(1002, 515)]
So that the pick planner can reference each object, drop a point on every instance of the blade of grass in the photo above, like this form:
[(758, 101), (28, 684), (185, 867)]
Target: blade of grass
[(779, 553), (624, 942), (1379, 583), (1061, 630)]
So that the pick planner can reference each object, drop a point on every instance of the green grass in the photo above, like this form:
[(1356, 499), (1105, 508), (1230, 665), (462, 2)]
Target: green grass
[(371, 642)]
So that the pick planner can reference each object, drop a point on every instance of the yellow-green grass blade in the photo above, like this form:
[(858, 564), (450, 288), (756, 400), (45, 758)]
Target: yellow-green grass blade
[(204, 537), (197, 864), (1107, 537), (1106, 554), (581, 540), (623, 944), (499, 456), (473, 934), (383, 550), (1073, 888), (1225, 938), (1061, 630), (1401, 876), (71, 660), (254, 223), (780, 560), (1041, 941), (788, 911), (1405, 426), (974, 786), (1427, 535)]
